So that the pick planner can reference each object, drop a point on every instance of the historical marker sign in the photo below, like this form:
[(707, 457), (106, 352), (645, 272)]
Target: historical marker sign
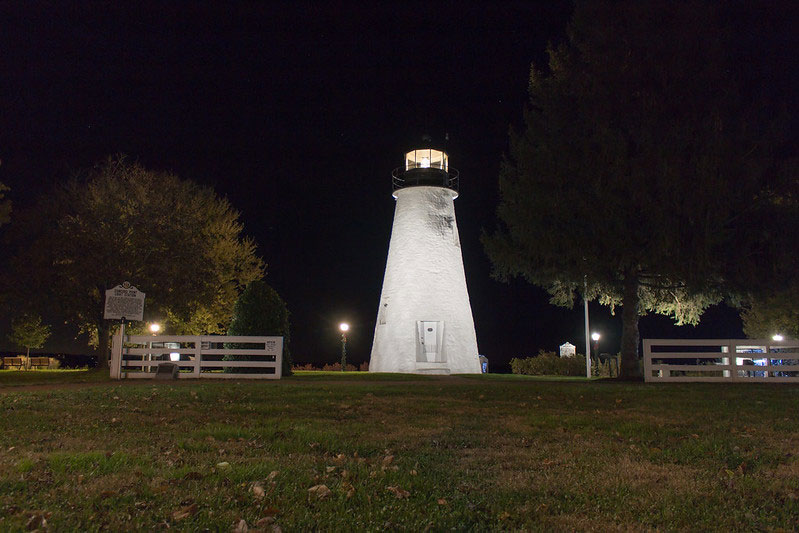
[(124, 301)]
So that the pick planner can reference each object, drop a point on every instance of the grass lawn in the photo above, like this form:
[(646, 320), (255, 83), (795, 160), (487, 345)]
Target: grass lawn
[(16, 378), (401, 453)]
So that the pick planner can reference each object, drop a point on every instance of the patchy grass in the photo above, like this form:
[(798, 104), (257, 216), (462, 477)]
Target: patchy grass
[(523, 377), (411, 454), (360, 376), (15, 378)]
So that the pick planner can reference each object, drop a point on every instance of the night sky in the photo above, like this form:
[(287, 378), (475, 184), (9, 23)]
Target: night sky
[(297, 113)]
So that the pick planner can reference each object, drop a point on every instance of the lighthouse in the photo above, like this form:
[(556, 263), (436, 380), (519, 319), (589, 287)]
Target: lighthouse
[(424, 320)]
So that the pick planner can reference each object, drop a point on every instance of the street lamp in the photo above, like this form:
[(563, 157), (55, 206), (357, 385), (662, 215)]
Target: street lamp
[(344, 327), (778, 337), (155, 327), (595, 337)]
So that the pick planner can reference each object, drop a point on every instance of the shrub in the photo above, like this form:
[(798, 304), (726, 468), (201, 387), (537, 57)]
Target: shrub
[(549, 364), (66, 360), (261, 311), (363, 367), (609, 368), (336, 367)]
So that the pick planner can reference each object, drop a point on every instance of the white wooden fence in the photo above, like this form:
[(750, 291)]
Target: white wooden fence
[(197, 356), (730, 360)]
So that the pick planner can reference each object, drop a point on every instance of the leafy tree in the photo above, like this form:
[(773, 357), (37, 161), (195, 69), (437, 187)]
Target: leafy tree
[(638, 163), (773, 313), (175, 240), (768, 281), (261, 311), (27, 331)]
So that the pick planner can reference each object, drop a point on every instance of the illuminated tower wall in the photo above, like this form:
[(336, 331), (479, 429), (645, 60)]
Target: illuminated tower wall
[(424, 322)]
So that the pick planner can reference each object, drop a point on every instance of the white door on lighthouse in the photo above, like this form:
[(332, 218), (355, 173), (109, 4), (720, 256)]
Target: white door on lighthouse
[(428, 337)]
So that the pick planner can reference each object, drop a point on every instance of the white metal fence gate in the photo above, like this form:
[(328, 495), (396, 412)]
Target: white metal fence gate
[(198, 356), (738, 360)]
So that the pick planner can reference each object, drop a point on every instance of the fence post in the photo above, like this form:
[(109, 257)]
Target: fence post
[(278, 359), (116, 356), (198, 356)]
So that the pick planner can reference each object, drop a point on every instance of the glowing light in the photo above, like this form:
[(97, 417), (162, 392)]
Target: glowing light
[(777, 337), (155, 327), (425, 162), (174, 356), (344, 326), (595, 336)]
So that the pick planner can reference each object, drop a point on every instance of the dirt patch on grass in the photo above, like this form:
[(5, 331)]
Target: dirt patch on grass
[(556, 467), (645, 476), (568, 522)]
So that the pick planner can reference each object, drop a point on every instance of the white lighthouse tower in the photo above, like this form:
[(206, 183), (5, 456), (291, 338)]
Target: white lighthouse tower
[(424, 323)]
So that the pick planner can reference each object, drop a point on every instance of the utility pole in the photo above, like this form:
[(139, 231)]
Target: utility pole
[(587, 330)]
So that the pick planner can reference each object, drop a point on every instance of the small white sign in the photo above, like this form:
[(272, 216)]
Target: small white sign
[(568, 350), (124, 301)]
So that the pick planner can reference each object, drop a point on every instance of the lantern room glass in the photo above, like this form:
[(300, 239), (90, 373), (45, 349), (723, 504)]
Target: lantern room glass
[(427, 158)]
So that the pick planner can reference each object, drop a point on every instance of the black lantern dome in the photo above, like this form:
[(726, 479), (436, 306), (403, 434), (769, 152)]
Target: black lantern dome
[(425, 167)]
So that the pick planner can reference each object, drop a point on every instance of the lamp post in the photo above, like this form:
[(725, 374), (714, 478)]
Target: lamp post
[(344, 327), (155, 327), (587, 344), (778, 338), (595, 337)]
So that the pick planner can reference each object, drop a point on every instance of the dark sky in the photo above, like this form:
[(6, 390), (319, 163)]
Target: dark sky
[(298, 113)]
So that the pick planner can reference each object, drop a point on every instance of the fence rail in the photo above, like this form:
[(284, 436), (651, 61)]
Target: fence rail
[(198, 356), (737, 360)]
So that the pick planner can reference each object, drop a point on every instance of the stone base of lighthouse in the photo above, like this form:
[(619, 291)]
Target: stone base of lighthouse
[(424, 323)]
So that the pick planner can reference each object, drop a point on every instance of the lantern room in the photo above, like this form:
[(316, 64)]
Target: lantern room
[(426, 158), (425, 167)]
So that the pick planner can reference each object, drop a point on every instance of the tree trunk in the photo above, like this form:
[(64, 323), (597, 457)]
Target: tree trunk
[(103, 344), (629, 328)]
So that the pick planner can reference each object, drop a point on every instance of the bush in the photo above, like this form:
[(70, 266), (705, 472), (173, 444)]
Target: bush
[(261, 311), (363, 367), (607, 369), (75, 360), (336, 367), (549, 364)]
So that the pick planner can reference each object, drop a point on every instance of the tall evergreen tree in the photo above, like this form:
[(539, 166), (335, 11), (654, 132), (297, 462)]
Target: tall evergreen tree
[(639, 159)]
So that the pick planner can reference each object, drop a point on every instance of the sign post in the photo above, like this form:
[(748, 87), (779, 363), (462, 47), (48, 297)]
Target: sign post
[(123, 302)]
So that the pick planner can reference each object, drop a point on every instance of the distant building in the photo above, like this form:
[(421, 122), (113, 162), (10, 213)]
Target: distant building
[(568, 349)]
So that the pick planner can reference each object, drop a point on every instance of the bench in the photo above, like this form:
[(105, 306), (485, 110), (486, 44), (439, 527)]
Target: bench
[(9, 362), (40, 362)]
